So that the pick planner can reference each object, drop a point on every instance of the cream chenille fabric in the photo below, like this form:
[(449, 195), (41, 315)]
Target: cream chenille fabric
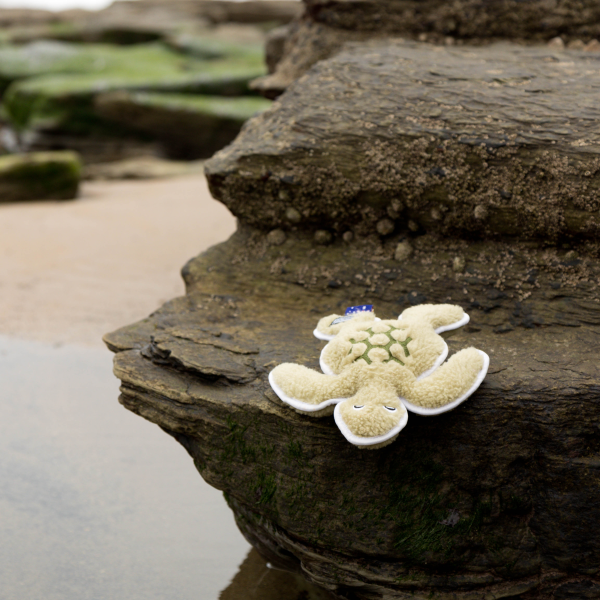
[(377, 369)]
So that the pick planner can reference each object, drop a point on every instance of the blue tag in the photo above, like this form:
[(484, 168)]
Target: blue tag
[(352, 310)]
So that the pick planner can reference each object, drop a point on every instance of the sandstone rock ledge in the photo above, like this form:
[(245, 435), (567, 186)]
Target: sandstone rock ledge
[(497, 499), (517, 466)]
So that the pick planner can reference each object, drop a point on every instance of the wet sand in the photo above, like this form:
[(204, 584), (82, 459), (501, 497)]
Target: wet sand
[(72, 271), (95, 502)]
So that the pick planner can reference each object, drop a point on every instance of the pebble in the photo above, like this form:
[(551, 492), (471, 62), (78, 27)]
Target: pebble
[(458, 264), (348, 237), (323, 237), (576, 45), (385, 227), (480, 212), (571, 255), (394, 209), (413, 226), (593, 46), (292, 215), (436, 215), (557, 43), (403, 251), (276, 237)]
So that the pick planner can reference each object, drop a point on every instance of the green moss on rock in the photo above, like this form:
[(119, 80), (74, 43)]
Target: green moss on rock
[(58, 91), (188, 126), (39, 176)]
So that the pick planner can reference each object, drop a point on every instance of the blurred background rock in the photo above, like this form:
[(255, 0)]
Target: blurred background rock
[(136, 90)]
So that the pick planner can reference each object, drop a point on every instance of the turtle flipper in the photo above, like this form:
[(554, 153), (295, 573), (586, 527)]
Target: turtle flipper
[(442, 317), (308, 391), (449, 385), (328, 327)]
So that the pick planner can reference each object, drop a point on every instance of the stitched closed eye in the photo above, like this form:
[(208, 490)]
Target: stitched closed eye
[(359, 407), (390, 408)]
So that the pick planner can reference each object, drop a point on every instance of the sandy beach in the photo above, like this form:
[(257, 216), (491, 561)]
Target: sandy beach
[(72, 271), (95, 501)]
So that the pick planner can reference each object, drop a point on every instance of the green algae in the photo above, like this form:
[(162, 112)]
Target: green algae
[(58, 90), (265, 487), (39, 176), (236, 109), (206, 46), (419, 508), (235, 446)]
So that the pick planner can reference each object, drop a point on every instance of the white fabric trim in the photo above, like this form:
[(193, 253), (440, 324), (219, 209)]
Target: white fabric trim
[(465, 319), (298, 404), (456, 325), (430, 412), (327, 370), (439, 361), (322, 336), (367, 441)]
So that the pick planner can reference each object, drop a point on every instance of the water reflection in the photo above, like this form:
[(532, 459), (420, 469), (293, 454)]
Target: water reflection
[(255, 581), (95, 502)]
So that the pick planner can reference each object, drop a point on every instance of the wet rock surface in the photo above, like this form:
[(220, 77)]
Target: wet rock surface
[(497, 498), (397, 174), (326, 26), (499, 141)]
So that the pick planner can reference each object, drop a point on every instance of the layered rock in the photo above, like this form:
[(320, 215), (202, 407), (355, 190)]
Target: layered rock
[(53, 89), (326, 26), (499, 141), (398, 174), (53, 67), (139, 22), (186, 125)]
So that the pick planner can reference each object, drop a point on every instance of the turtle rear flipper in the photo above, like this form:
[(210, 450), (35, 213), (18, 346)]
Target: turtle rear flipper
[(449, 385)]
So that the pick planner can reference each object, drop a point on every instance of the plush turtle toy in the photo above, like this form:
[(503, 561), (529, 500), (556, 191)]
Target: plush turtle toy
[(374, 370)]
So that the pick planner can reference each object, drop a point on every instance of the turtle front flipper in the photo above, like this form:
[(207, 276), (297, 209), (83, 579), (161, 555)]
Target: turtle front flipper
[(328, 327), (442, 317), (310, 392), (449, 385), (373, 417)]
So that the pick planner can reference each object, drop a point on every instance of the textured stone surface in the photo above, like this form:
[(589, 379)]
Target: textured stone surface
[(517, 464), (500, 141), (39, 176), (327, 25), (525, 19), (485, 164)]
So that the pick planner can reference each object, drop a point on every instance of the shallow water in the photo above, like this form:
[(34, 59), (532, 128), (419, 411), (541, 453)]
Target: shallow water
[(95, 502)]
